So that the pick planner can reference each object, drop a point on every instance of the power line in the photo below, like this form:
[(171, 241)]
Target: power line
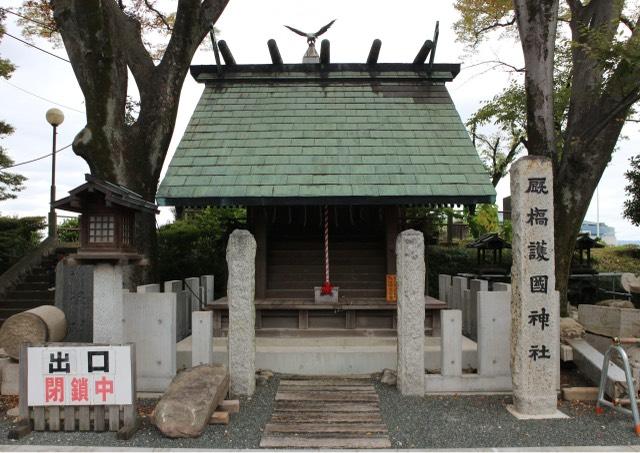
[(42, 24), (40, 97), (36, 47), (36, 159)]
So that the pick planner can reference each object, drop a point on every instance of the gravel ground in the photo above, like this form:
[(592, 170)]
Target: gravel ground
[(483, 422), (413, 422), (243, 431)]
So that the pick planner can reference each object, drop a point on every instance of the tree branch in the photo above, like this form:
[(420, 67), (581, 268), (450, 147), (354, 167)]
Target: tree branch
[(159, 15)]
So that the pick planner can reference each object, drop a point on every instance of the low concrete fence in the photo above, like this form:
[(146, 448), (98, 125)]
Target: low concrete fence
[(156, 317), (192, 294), (484, 316)]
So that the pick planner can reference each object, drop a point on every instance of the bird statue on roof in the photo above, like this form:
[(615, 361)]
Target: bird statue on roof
[(311, 37)]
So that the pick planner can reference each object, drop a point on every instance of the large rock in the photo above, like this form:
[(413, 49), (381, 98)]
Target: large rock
[(570, 329), (616, 303), (186, 407), (610, 321)]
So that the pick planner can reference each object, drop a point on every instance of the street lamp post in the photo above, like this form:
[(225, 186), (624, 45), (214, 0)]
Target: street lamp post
[(55, 117)]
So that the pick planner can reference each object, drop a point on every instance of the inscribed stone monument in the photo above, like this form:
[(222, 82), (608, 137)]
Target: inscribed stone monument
[(241, 262), (535, 303), (411, 285)]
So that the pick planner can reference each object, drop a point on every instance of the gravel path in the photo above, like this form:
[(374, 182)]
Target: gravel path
[(413, 422), (243, 431), (483, 422)]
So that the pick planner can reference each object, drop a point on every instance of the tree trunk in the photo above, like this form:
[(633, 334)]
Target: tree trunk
[(537, 22), (104, 44)]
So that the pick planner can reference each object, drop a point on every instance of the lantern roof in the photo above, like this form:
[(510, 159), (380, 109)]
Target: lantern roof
[(114, 194)]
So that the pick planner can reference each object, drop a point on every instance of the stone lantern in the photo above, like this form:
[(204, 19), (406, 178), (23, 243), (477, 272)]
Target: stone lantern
[(107, 220), (107, 242)]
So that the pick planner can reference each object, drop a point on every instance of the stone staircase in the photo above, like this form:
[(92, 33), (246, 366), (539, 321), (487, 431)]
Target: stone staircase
[(34, 287)]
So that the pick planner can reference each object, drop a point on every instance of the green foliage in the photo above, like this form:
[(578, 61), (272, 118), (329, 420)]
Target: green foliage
[(623, 258), (484, 221), (632, 203), (18, 236), (196, 245), (69, 230), (9, 182)]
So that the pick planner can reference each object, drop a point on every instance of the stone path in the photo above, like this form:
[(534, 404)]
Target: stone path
[(326, 412)]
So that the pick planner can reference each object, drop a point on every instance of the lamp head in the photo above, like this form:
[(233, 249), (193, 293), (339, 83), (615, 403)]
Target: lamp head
[(55, 117)]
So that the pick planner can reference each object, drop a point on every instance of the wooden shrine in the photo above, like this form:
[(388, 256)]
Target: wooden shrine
[(359, 142)]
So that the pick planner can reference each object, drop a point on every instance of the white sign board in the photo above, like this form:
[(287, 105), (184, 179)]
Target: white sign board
[(89, 375)]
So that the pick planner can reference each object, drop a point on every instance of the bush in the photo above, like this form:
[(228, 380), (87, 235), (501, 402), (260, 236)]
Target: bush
[(69, 230), (18, 236), (196, 245)]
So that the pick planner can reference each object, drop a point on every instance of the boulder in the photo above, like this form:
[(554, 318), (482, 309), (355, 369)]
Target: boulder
[(388, 377), (263, 376), (570, 329), (45, 323), (193, 395), (616, 303)]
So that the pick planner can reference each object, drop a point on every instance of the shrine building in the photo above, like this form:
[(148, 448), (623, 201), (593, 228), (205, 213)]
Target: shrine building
[(353, 145)]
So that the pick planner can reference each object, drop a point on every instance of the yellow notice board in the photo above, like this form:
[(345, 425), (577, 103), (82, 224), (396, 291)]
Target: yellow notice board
[(392, 289)]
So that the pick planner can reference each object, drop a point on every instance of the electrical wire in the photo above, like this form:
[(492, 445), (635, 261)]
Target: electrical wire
[(36, 159), (35, 47), (42, 24), (42, 98)]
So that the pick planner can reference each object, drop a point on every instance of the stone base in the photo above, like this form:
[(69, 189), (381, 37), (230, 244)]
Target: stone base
[(557, 414), (326, 298)]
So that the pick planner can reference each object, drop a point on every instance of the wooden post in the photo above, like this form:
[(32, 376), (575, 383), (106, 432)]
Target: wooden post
[(391, 231), (259, 224)]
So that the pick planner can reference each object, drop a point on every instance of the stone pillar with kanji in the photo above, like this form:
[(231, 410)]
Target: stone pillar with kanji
[(535, 311)]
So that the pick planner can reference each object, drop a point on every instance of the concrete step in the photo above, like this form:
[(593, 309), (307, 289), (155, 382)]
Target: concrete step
[(30, 294), (589, 360), (32, 286), (334, 355), (24, 304)]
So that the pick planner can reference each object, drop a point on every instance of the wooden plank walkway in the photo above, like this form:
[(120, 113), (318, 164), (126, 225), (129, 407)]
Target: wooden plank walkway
[(326, 412)]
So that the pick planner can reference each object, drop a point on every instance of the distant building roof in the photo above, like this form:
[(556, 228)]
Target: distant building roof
[(316, 134)]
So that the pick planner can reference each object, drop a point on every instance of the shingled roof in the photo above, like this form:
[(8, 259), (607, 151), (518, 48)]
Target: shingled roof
[(316, 134)]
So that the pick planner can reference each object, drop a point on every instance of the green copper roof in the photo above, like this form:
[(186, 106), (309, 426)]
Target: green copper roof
[(300, 136)]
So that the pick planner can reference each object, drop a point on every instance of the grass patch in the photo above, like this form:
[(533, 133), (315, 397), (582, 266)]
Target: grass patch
[(623, 258)]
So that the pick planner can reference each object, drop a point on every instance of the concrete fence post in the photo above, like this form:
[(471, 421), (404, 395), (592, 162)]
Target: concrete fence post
[(475, 286), (458, 285), (411, 268), (466, 311), (494, 333), (150, 288), (451, 342), (175, 286), (206, 282), (192, 287), (241, 264), (444, 286), (202, 338)]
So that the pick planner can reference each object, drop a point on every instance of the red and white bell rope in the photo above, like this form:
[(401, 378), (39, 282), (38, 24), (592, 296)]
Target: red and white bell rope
[(326, 287)]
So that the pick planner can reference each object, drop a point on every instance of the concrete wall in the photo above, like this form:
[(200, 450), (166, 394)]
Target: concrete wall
[(150, 323)]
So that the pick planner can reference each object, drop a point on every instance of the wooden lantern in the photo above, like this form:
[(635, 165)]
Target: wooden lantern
[(107, 220)]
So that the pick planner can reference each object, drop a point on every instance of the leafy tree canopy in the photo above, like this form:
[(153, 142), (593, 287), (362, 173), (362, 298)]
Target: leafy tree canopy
[(632, 204), (9, 182)]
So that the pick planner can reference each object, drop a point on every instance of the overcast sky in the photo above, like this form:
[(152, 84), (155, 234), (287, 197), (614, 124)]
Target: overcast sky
[(246, 25)]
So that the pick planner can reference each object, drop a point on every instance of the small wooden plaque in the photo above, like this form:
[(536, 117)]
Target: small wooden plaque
[(392, 289)]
